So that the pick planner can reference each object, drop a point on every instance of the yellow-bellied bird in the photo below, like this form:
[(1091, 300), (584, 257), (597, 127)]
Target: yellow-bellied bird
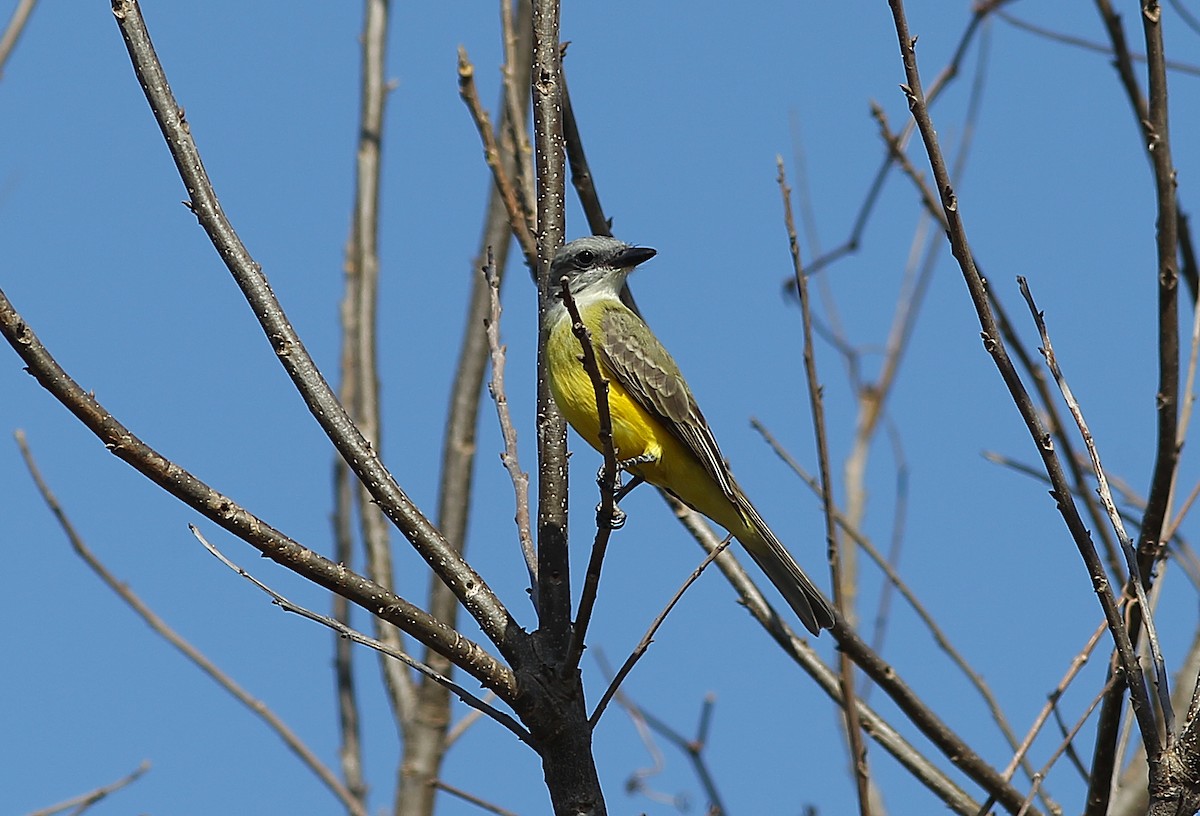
[(658, 430)]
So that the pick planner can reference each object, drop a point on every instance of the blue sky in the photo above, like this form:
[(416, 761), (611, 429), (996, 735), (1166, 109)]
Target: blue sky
[(683, 112)]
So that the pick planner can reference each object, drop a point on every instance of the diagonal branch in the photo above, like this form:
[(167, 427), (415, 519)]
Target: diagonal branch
[(383, 648), (79, 804), (272, 720), (994, 345), (858, 751), (181, 484), (470, 589), (14, 30)]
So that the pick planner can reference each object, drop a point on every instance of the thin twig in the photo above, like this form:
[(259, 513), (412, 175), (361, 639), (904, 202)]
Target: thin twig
[(1020, 756), (648, 638), (468, 586), (482, 804), (492, 155), (512, 462), (1086, 45), (1063, 747), (606, 513), (464, 724), (894, 579), (581, 172), (516, 31), (884, 675), (163, 630), (858, 750), (84, 801), (358, 637), (1161, 681), (692, 748)]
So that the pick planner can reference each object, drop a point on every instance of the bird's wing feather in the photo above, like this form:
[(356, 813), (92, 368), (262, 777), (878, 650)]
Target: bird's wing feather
[(645, 369)]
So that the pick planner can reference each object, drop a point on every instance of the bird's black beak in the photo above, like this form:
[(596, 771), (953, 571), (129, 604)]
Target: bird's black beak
[(629, 257)]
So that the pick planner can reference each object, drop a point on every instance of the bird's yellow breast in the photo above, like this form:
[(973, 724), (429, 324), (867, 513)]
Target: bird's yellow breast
[(635, 432)]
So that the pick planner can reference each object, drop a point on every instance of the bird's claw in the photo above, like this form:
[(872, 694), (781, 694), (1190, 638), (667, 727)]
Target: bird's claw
[(615, 521)]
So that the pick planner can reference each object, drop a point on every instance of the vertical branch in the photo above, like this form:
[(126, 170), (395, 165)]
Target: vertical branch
[(1151, 118), (1167, 244), (554, 702), (858, 750), (994, 345), (554, 595), (360, 386), (349, 730)]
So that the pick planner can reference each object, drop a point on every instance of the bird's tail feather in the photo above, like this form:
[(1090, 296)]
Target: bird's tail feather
[(782, 570)]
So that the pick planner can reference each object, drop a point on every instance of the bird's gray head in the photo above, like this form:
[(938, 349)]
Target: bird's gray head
[(596, 262)]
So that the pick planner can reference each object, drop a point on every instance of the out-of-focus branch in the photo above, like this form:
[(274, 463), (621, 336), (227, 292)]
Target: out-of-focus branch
[(1087, 45), (160, 627), (947, 75), (512, 463), (359, 390), (501, 170), (858, 751), (894, 579), (1012, 341), (222, 510), (468, 586), (581, 172), (14, 30), (79, 804), (349, 720), (459, 444), (1077, 664), (471, 798)]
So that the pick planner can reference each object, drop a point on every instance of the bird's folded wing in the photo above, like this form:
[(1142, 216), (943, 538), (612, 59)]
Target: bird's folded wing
[(644, 368)]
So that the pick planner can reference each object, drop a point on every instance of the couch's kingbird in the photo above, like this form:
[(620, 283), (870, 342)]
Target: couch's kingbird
[(658, 430)]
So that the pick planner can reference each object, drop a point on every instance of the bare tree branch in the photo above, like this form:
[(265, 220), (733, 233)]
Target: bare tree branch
[(85, 801), (512, 463), (858, 751), (994, 345), (1160, 669), (517, 216), (468, 586), (257, 707), (648, 638), (222, 510), (607, 518), (379, 646), (14, 30)]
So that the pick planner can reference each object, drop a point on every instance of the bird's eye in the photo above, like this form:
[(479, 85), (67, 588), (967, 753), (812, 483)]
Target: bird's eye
[(585, 258)]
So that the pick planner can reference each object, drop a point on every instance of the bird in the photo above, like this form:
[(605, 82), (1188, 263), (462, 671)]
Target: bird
[(658, 431)]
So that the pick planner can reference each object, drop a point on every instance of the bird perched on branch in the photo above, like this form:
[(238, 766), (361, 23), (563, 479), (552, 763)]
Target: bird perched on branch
[(658, 431)]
